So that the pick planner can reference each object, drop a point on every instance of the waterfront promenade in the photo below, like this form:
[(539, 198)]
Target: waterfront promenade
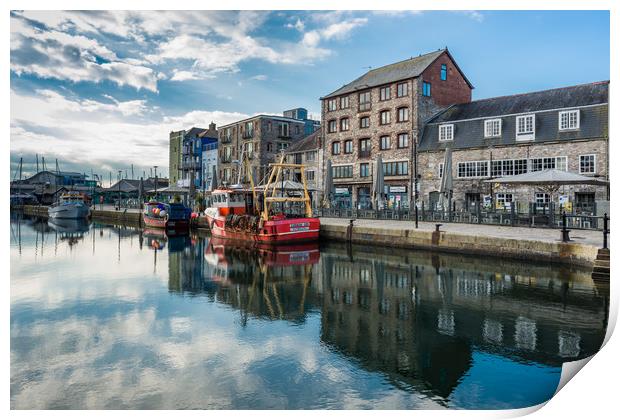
[(513, 242)]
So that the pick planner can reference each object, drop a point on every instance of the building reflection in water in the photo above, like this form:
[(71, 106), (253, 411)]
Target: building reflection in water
[(418, 318)]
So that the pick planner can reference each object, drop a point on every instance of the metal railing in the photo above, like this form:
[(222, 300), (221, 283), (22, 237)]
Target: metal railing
[(540, 219)]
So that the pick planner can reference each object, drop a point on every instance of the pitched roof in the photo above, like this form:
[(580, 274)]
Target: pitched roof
[(209, 133), (565, 97), (194, 131), (310, 142), (468, 119), (405, 69)]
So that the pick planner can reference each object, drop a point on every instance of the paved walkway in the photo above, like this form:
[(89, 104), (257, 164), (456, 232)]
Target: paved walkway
[(110, 207), (588, 237)]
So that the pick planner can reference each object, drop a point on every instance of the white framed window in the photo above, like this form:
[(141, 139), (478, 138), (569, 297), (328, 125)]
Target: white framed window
[(476, 169), (542, 163), (503, 201), (568, 120), (542, 200), (331, 105), (309, 175), (493, 128), (446, 132), (526, 127), (561, 163), (587, 164)]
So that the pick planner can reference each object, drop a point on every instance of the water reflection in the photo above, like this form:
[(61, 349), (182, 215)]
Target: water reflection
[(124, 318)]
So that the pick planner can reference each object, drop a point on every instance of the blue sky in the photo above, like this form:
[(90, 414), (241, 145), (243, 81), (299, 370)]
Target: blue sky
[(102, 90)]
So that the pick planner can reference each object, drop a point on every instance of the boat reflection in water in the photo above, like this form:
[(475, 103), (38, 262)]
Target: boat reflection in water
[(70, 230), (456, 329)]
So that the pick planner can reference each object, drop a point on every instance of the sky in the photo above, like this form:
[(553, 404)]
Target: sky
[(101, 90)]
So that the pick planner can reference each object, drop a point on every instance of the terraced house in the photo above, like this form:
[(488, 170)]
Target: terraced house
[(381, 113), (564, 129), (260, 138)]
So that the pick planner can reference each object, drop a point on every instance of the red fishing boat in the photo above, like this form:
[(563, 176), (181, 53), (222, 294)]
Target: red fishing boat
[(244, 214)]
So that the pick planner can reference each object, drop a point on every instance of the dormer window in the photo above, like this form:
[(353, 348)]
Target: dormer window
[(446, 132), (526, 127), (493, 128), (569, 120)]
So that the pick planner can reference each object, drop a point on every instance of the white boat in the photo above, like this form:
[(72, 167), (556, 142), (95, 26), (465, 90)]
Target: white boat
[(71, 205)]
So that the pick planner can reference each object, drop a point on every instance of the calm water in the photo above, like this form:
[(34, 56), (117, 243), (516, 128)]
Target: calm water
[(114, 317)]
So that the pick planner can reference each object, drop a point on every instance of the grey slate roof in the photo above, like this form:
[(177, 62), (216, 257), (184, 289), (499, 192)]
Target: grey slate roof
[(405, 69), (194, 132), (469, 133), (566, 97), (310, 142)]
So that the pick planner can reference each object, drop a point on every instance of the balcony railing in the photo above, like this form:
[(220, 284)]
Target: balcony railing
[(188, 166), (364, 153), (364, 106), (247, 134), (226, 159), (226, 139)]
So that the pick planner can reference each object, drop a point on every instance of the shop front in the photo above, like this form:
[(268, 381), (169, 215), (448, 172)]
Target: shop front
[(397, 197), (342, 197)]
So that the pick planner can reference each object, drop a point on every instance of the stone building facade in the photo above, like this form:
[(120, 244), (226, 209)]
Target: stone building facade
[(569, 132), (262, 137), (380, 114), (308, 152)]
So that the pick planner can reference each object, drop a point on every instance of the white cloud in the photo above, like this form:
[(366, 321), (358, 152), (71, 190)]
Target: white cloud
[(299, 25), (259, 77), (472, 14), (59, 55), (94, 133)]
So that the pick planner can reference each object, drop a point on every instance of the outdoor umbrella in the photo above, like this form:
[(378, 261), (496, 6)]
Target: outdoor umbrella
[(378, 184), (549, 180), (329, 184), (446, 181)]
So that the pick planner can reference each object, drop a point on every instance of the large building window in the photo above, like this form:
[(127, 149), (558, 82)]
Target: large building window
[(310, 156), (402, 89), (283, 130), (395, 168), (444, 72), (348, 146), (446, 132), (331, 126), (384, 142), (364, 170), (403, 140), (344, 102), (344, 124), (364, 101), (503, 201), (310, 175), (426, 89), (403, 114), (331, 104), (526, 127), (508, 167), (473, 169), (540, 164), (336, 148), (384, 93), (384, 117), (587, 164), (569, 120), (364, 122), (493, 128), (342, 171)]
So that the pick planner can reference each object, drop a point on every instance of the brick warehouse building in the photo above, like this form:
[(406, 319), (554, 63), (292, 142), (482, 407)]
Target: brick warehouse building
[(262, 137), (565, 129), (381, 113)]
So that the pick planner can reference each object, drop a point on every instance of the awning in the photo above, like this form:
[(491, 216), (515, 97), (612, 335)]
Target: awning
[(549, 177)]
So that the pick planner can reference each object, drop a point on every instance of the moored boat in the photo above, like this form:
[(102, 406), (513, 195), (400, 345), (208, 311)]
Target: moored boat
[(70, 205), (169, 216), (235, 212)]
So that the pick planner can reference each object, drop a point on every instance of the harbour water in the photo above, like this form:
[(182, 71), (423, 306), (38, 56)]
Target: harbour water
[(114, 317)]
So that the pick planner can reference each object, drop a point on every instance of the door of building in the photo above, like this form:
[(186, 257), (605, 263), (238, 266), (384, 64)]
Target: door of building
[(433, 199)]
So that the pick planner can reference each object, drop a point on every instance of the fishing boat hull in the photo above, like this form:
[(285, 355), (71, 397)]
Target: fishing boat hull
[(69, 211), (162, 223), (284, 231)]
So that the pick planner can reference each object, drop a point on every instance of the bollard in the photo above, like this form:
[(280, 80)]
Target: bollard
[(565, 237), (350, 230), (605, 230)]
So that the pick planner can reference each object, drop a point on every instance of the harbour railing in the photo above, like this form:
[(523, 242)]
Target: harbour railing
[(538, 219)]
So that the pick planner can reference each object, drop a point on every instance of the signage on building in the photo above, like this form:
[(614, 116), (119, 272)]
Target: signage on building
[(342, 190), (398, 189)]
